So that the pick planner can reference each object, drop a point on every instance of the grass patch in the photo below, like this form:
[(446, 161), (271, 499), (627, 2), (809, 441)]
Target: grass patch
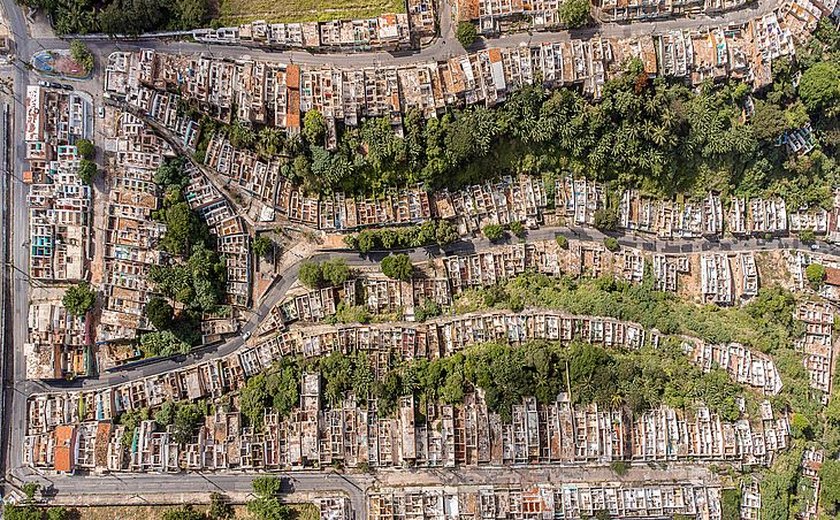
[(233, 12)]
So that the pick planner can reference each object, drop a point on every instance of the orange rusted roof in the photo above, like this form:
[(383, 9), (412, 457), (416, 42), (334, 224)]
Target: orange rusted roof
[(63, 460), (293, 76), (832, 276)]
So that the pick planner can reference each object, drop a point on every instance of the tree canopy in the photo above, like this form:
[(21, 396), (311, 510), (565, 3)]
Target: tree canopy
[(86, 149), (79, 298), (262, 245), (159, 312), (493, 232), (398, 267), (466, 33), (81, 55), (87, 171), (574, 14), (815, 274), (321, 274)]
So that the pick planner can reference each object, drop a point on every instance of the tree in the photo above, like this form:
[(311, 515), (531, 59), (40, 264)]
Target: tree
[(24, 512), (171, 173), (518, 229), (493, 232), (269, 141), (165, 415), (254, 399), (730, 504), (86, 149), (220, 508), (79, 299), (242, 135), (768, 121), (807, 236), (184, 229), (162, 343), (262, 245), (184, 512), (605, 219), (209, 273), (611, 244), (87, 171), (188, 417), (366, 241), (819, 88), (815, 274), (314, 127), (335, 271), (466, 33), (268, 509), (619, 467), (29, 489), (445, 233), (398, 267), (830, 488), (159, 312), (574, 14), (427, 309), (310, 275), (562, 241), (81, 55), (58, 513), (190, 14), (267, 486)]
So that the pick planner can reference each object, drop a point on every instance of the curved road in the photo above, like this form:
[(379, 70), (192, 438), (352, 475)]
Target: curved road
[(466, 246), (444, 47)]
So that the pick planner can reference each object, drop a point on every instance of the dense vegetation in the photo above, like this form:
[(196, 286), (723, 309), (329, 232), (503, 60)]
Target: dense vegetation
[(193, 276), (130, 17), (79, 299), (655, 134), (81, 55), (634, 380), (30, 512), (398, 267), (430, 232), (574, 14), (316, 275), (466, 33), (266, 505)]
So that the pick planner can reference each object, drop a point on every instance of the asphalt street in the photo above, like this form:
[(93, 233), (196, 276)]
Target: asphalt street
[(445, 46), (466, 246), (145, 488)]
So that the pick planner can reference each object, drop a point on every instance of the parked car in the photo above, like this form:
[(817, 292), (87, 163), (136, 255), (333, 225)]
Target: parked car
[(101, 112), (65, 86), (43, 83), (53, 84)]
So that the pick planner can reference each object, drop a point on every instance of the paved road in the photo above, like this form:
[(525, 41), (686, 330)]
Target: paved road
[(14, 399), (145, 488), (278, 291), (443, 47), (155, 488)]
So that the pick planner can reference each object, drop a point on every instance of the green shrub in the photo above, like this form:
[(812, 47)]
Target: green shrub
[(815, 274), (493, 232), (398, 267), (611, 244), (466, 33), (78, 299)]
